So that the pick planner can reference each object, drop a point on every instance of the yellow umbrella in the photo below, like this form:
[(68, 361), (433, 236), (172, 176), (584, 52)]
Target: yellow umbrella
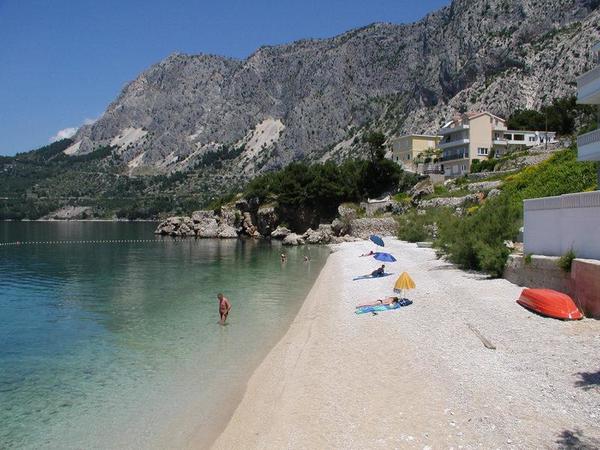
[(404, 282)]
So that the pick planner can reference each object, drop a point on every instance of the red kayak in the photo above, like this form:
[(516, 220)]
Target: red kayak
[(548, 302)]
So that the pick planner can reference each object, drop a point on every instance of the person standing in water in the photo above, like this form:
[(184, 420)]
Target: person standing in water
[(224, 308)]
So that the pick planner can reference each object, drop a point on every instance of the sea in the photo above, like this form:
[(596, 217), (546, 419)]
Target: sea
[(109, 335)]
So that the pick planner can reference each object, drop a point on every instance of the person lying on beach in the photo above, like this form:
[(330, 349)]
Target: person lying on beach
[(224, 308), (371, 253), (381, 301), (379, 272)]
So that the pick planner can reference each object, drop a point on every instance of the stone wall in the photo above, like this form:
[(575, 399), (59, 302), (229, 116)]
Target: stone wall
[(582, 283), (538, 272), (585, 274), (383, 226)]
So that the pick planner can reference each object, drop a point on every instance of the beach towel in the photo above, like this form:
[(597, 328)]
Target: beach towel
[(371, 309), (369, 277)]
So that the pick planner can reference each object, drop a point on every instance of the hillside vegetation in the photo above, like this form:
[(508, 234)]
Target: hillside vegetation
[(36, 183), (476, 239)]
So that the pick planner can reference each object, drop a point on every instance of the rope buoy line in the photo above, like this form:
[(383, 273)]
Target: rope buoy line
[(100, 241)]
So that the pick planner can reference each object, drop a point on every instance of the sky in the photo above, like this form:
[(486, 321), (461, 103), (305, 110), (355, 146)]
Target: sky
[(63, 61)]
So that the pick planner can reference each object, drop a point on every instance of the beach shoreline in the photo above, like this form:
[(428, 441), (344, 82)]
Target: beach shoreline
[(419, 376)]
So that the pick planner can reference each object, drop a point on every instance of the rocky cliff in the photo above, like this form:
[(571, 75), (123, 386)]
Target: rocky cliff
[(313, 99)]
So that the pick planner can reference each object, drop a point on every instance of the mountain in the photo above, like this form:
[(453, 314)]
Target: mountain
[(312, 98), (197, 126)]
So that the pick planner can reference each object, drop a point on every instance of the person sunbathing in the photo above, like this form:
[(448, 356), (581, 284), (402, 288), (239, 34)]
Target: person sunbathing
[(381, 301), (371, 253), (379, 272)]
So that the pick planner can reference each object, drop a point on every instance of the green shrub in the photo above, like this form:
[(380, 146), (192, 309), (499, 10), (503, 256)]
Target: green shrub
[(402, 198), (561, 174), (486, 165), (476, 241), (439, 190), (417, 227), (566, 261)]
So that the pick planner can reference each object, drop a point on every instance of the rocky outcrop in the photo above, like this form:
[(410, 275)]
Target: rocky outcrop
[(494, 193), (321, 235), (347, 213), (363, 228), (280, 233), (339, 227), (248, 227), (374, 207), (230, 216), (484, 186), (227, 232), (178, 226), (266, 219), (205, 224), (449, 201), (293, 239), (420, 190), (345, 238), (70, 213)]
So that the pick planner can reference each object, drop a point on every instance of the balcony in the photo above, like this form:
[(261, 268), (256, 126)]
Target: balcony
[(453, 156), (445, 131), (453, 143), (588, 146), (588, 87)]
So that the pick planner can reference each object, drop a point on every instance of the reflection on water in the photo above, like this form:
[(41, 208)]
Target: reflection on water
[(94, 336)]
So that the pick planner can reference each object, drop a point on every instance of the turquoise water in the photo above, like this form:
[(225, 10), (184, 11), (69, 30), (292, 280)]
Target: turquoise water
[(116, 345)]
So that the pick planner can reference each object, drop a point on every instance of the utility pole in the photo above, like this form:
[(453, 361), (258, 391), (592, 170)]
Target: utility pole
[(546, 136)]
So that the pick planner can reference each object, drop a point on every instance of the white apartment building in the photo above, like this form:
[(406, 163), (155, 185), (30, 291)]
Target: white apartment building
[(588, 93), (555, 225), (526, 138), (478, 135)]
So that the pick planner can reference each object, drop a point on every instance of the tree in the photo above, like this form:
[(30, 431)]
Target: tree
[(376, 141), (561, 116)]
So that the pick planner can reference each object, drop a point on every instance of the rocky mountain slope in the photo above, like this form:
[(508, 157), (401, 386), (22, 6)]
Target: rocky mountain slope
[(314, 98)]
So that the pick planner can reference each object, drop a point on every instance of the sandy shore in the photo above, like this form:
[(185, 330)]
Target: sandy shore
[(419, 377)]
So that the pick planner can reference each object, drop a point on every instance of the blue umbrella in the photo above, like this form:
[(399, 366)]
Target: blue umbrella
[(385, 257), (377, 240)]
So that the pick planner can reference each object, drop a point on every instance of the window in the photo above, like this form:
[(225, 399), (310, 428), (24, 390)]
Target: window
[(519, 137), (482, 151), (408, 156), (531, 138)]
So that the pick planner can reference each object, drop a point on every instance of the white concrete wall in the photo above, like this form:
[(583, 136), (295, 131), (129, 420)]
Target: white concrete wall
[(554, 225)]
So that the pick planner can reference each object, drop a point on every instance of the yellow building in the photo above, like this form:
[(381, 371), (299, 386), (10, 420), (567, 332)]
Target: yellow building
[(406, 149)]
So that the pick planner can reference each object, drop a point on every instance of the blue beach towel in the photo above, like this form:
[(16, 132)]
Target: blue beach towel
[(371, 309), (371, 277)]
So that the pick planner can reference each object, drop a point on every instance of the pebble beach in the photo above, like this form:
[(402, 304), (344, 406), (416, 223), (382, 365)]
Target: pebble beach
[(464, 366)]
